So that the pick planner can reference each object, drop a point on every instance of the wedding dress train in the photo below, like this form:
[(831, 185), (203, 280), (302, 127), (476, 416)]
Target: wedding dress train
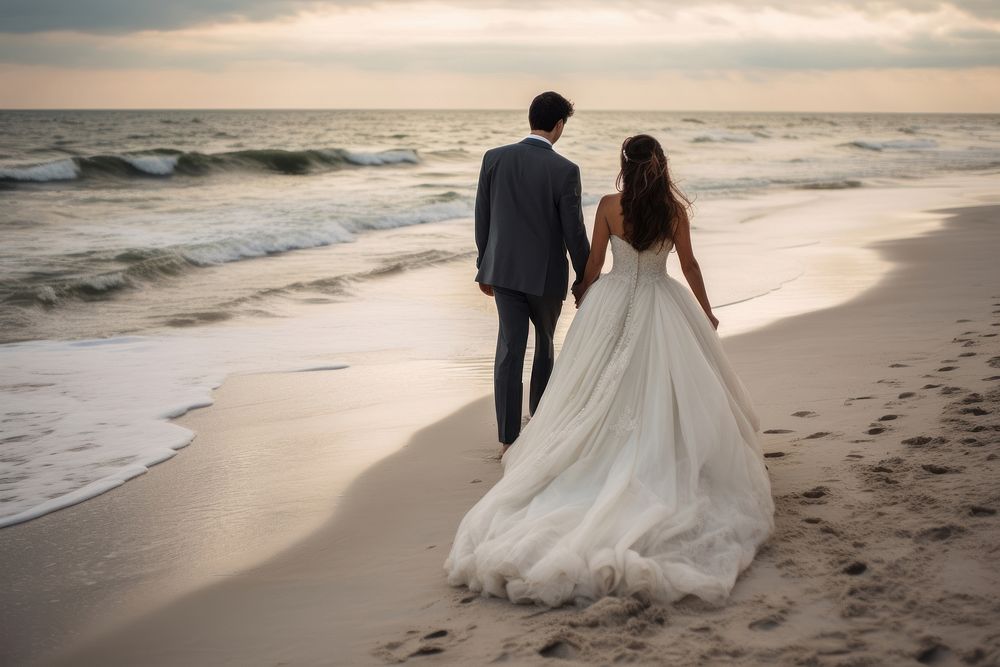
[(640, 470)]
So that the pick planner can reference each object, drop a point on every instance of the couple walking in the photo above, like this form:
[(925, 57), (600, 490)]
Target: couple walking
[(639, 471)]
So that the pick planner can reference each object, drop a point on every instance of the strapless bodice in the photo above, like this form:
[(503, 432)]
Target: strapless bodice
[(631, 264)]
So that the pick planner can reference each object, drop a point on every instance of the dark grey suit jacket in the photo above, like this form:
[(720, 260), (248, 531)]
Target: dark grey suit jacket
[(528, 214)]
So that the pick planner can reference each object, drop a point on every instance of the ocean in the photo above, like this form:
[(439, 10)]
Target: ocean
[(148, 255)]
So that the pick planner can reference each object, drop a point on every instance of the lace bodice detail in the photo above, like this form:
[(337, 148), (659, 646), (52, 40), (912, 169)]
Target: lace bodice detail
[(630, 264)]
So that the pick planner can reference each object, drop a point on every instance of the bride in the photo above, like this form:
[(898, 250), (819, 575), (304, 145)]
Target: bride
[(640, 471)]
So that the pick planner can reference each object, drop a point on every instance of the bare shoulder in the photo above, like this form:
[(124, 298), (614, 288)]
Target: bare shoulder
[(611, 206), (611, 202), (610, 210)]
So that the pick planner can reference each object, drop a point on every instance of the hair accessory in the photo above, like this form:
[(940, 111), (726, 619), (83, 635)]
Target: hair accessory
[(651, 158)]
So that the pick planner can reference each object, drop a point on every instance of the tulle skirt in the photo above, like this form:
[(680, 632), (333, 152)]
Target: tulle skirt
[(640, 471)]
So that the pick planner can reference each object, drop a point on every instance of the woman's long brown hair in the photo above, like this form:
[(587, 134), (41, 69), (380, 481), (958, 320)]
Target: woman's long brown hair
[(651, 203)]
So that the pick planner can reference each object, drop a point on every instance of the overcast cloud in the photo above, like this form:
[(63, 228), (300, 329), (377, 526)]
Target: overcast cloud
[(104, 16), (504, 39)]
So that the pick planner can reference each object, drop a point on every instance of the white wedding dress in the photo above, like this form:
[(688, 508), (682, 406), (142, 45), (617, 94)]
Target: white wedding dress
[(640, 470)]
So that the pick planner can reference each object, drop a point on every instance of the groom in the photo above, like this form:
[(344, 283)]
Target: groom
[(528, 214)]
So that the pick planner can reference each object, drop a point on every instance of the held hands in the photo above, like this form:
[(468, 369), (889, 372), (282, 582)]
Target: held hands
[(578, 290), (486, 289)]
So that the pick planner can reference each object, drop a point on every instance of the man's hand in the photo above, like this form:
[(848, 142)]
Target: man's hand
[(486, 289)]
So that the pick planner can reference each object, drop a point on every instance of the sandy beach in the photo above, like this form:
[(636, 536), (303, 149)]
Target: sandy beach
[(882, 435)]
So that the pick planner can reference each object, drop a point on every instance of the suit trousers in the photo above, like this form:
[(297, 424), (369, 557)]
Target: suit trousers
[(515, 310)]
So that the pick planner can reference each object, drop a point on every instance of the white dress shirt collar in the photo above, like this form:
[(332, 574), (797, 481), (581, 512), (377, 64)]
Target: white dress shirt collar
[(539, 137)]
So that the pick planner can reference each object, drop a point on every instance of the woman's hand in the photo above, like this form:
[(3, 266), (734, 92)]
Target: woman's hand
[(580, 289)]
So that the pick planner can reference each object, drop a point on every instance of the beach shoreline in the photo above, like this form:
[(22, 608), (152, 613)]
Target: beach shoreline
[(366, 586)]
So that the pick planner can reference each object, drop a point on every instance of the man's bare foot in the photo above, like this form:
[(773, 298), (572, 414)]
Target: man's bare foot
[(503, 449)]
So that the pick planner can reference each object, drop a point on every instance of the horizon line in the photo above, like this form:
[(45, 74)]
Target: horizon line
[(495, 109)]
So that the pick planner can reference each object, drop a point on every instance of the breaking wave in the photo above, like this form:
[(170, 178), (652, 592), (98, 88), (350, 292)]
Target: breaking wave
[(830, 185), (725, 137), (146, 266), (165, 162), (892, 145)]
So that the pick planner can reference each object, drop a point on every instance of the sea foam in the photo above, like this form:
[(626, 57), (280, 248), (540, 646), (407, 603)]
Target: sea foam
[(156, 165), (60, 170), (101, 417)]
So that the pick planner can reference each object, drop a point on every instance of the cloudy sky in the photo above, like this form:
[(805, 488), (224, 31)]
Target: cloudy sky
[(890, 55)]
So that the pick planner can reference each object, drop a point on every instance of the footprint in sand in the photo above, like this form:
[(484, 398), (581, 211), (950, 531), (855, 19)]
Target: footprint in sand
[(810, 413), (817, 434), (967, 354), (933, 654), (779, 430), (773, 455), (987, 335), (888, 418), (939, 533), (980, 510), (431, 643), (899, 365), (991, 378), (816, 492), (951, 390), (767, 623), (907, 394), (855, 568), (936, 469), (876, 430), (930, 386), (994, 362), (559, 649), (945, 369), (976, 412)]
